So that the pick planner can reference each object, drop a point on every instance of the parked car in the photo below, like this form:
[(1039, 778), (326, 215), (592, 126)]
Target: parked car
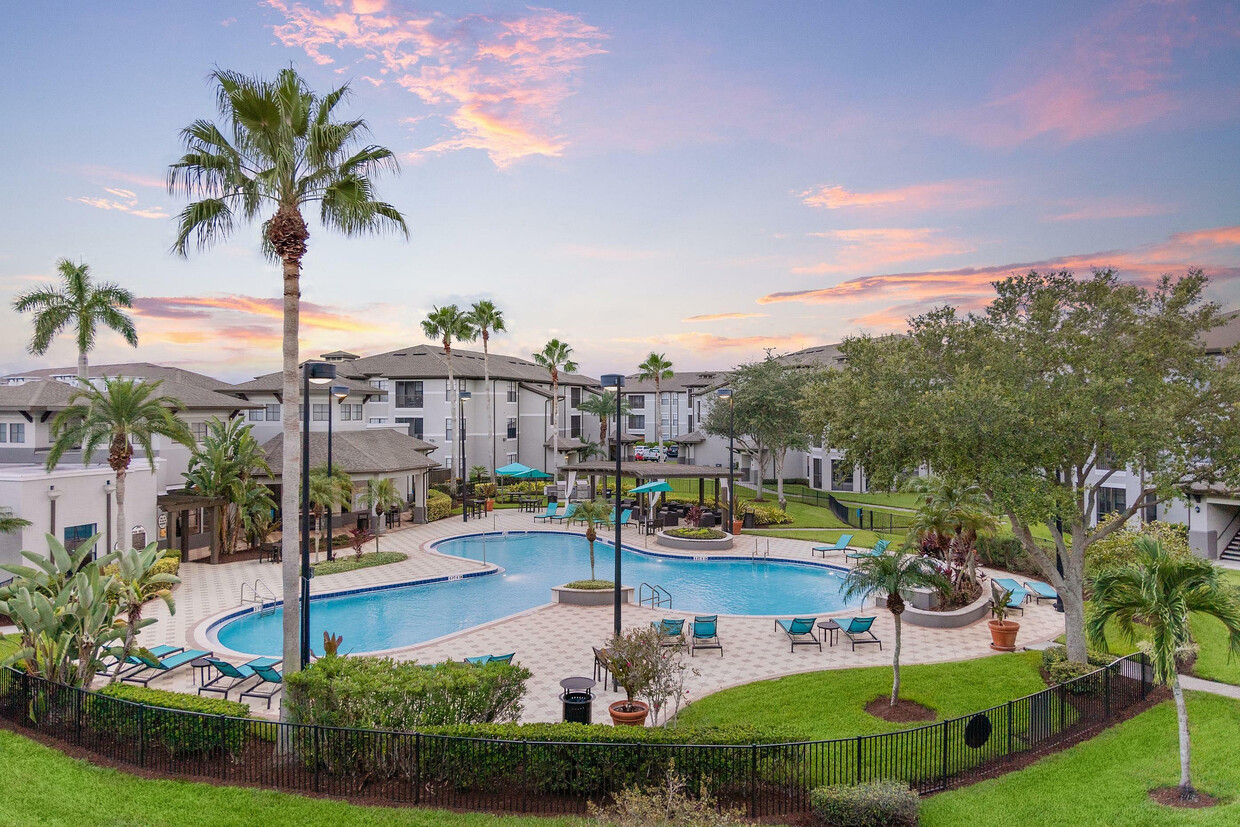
[(672, 451), (652, 453), (639, 452)]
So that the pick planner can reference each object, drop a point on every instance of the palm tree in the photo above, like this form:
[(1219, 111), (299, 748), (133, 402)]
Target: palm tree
[(593, 513), (135, 582), (949, 520), (1158, 592), (656, 368), (891, 575), (379, 497), (555, 357), (10, 524), (604, 407), (81, 303), (224, 465), (124, 413), (446, 324), (328, 491), (280, 149), (488, 319)]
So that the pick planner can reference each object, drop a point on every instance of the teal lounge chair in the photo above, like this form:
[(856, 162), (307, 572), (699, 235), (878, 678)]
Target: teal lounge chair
[(551, 509), (671, 632), (1041, 591), (625, 515), (1008, 584), (268, 675), (132, 664), (569, 511), (800, 632), (880, 546), (859, 630), (1016, 602), (840, 545), (483, 660), (152, 668), (229, 677), (705, 634)]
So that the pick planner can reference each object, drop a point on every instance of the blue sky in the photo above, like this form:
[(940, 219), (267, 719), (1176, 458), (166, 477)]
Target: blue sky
[(701, 179)]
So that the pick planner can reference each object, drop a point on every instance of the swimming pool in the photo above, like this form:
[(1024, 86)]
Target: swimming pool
[(531, 563)]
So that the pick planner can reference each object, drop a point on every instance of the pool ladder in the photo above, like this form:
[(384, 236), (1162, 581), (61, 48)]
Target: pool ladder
[(763, 553), (261, 594), (657, 595)]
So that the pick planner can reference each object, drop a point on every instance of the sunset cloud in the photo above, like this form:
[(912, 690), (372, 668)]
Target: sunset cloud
[(494, 81), (719, 317), (961, 194), (215, 306), (1108, 208), (873, 247), (710, 343), (121, 200)]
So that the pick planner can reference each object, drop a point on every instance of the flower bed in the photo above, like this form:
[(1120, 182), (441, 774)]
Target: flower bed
[(696, 533), (672, 539)]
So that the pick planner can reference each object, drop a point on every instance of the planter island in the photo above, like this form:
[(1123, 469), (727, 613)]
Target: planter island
[(602, 596), (712, 539)]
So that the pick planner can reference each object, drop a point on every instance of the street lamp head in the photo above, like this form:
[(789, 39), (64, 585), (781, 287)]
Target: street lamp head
[(612, 380), (320, 373), (465, 395), (340, 391), (724, 393)]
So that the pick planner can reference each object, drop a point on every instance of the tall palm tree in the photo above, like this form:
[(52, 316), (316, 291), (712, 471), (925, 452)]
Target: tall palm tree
[(555, 357), (280, 148), (604, 407), (446, 324), (328, 491), (593, 513), (488, 319), (379, 497), (891, 575), (10, 524), (122, 414), (1158, 592), (81, 303), (656, 368)]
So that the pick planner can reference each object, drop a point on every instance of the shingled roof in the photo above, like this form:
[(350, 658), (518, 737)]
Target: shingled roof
[(428, 361), (131, 370), (379, 451)]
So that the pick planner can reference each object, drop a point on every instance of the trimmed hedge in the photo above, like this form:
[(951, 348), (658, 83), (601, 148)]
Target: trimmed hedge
[(375, 558), (161, 720), (691, 533), (438, 505), (765, 514), (873, 804), (591, 585)]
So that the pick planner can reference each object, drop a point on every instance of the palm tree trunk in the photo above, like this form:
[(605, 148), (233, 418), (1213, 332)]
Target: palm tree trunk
[(290, 469), (83, 369), (1181, 713), (895, 666), (456, 422), (555, 432), (490, 392), (121, 528), (658, 415)]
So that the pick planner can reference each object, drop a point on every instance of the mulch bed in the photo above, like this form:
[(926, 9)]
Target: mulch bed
[(1170, 797), (903, 712)]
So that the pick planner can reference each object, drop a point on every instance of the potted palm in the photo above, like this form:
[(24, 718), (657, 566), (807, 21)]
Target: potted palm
[(1002, 631), (633, 659)]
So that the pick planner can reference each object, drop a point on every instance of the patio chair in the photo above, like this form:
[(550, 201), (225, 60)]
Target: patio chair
[(132, 664), (1017, 600), (800, 632), (268, 675), (483, 660), (880, 546), (567, 516), (152, 667), (602, 667), (840, 545), (1041, 591), (705, 634), (671, 632), (1008, 584), (625, 517), (551, 509), (229, 677), (858, 631)]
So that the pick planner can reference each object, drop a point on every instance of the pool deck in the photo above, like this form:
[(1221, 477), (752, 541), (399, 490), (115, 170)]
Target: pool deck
[(553, 641)]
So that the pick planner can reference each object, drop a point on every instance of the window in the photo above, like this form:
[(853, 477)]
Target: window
[(194, 523), (512, 391), (377, 420), (447, 387), (17, 432), (817, 477), (200, 430), (255, 415), (408, 394), (357, 412), (512, 458), (273, 411), (666, 398), (512, 428), (414, 423), (637, 422), (447, 431), (841, 476), (4, 432), (381, 384), (1151, 508), (1111, 500), (346, 413), (574, 426), (77, 535), (637, 401), (574, 396), (318, 411)]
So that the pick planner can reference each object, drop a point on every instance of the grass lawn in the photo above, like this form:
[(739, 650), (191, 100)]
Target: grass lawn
[(1212, 660), (830, 704), (877, 499), (41, 786), (861, 539), (1104, 781)]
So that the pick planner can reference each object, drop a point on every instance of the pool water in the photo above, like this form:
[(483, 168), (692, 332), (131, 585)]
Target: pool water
[(532, 563)]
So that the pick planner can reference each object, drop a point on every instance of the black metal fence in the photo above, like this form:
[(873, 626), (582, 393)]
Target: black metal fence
[(869, 519), (550, 777)]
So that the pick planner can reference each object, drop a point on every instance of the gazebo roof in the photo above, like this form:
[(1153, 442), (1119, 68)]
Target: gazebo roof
[(649, 470)]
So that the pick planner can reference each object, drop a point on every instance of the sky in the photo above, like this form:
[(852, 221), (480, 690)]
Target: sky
[(701, 179)]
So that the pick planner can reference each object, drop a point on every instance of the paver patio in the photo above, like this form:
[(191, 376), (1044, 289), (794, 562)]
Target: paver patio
[(554, 640)]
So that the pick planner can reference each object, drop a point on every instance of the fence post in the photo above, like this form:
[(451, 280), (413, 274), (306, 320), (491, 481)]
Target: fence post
[(525, 774), (417, 768), (945, 755), (1144, 686), (753, 780), (1108, 691), (1009, 727), (316, 758), (223, 750), (141, 735), (77, 716), (857, 779)]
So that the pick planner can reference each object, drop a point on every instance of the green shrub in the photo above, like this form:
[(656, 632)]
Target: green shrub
[(696, 533), (665, 805), (872, 804), (766, 514), (438, 505), (1004, 551), (1119, 548), (165, 565), (340, 564), (163, 721), (1061, 670), (593, 585), (787, 481)]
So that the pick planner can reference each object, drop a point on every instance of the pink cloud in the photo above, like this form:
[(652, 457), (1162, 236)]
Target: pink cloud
[(109, 176), (1118, 73), (122, 200), (218, 306), (709, 342), (960, 194), (494, 81), (719, 317), (869, 248), (1108, 208)]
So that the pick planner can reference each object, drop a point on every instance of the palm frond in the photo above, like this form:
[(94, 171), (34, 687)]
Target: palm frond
[(205, 221)]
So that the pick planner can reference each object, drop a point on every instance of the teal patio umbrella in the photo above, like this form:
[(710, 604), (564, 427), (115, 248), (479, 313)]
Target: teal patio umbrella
[(513, 469), (656, 487), (531, 474)]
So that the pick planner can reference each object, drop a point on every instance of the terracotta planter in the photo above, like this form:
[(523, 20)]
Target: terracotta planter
[(621, 718), (737, 525), (490, 505), (1003, 635)]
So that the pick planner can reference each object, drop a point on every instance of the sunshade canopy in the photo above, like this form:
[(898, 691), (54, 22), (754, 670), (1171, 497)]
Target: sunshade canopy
[(530, 474), (651, 487), (514, 469)]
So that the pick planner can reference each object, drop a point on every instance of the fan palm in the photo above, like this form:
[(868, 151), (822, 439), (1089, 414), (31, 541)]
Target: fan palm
[(656, 368), (1158, 592), (280, 148), (81, 303), (488, 319), (122, 414), (604, 407), (891, 575), (328, 491), (379, 497), (555, 357), (593, 513), (448, 324), (10, 524)]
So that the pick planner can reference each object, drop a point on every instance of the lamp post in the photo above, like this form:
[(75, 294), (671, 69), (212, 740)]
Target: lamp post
[(318, 373), (616, 380), (338, 392), (726, 393), (461, 396)]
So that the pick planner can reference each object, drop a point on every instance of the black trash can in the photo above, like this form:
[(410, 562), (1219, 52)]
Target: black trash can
[(577, 706), (363, 522), (747, 520)]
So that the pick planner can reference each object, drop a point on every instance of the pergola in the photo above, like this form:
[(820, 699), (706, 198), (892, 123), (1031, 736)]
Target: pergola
[(181, 502), (650, 471)]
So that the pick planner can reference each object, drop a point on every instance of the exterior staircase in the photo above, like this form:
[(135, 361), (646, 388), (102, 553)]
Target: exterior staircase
[(1232, 550)]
